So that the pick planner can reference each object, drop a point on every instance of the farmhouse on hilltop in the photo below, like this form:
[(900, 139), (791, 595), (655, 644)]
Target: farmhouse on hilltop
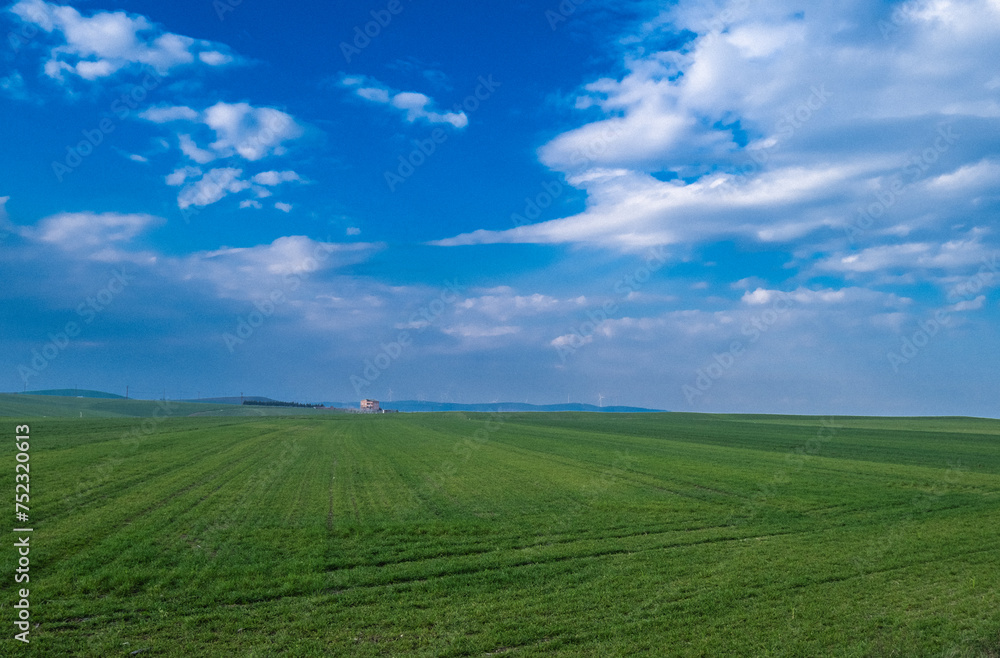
[(370, 405)]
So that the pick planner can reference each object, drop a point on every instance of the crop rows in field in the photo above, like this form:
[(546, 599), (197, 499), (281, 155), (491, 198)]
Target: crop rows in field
[(565, 534)]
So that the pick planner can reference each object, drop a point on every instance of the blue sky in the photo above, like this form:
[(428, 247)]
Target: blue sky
[(735, 206)]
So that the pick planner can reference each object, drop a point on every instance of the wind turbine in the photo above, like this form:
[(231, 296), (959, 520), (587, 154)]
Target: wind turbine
[(390, 395), (600, 400)]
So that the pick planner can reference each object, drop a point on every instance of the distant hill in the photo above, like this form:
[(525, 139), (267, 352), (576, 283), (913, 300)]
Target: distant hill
[(418, 406), (25, 406), (230, 400), (76, 393), (77, 402)]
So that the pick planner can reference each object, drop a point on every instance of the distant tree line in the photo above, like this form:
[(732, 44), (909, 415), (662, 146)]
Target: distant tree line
[(276, 403)]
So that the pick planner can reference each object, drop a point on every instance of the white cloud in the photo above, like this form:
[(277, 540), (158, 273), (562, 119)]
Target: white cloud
[(103, 43), (252, 132), (289, 255), (178, 176), (571, 340), (251, 203), (275, 177), (283, 207), (5, 225), (94, 236), (967, 305), (953, 256), (353, 230), (215, 58), (776, 125), (13, 86), (747, 283), (984, 174), (503, 303), (480, 331), (416, 106), (373, 94), (212, 187), (192, 150), (240, 130), (825, 296), (165, 114)]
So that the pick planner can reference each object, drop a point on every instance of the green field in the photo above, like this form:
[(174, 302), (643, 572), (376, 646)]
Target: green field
[(517, 535)]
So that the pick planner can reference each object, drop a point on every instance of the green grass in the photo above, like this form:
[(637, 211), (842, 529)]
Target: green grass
[(528, 534)]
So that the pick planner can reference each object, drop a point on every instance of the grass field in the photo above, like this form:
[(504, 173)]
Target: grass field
[(517, 535)]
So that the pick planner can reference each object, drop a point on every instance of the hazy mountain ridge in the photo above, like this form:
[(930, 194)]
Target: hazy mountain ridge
[(422, 406)]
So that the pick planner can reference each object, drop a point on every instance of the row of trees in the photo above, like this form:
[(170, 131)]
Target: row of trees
[(276, 403)]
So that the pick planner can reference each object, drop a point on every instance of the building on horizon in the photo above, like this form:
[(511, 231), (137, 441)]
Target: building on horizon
[(370, 405)]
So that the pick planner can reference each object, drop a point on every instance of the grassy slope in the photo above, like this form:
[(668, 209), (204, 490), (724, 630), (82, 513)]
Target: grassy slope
[(565, 534)]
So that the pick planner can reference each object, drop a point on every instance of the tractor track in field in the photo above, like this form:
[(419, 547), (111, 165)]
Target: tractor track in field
[(119, 485), (554, 540), (565, 539), (251, 600), (329, 514), (864, 574), (632, 476), (133, 516), (551, 560), (208, 477), (559, 559)]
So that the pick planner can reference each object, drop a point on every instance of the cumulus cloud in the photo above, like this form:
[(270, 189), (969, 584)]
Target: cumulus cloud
[(13, 87), (967, 305), (272, 178), (951, 256), (503, 303), (205, 188), (823, 297), (211, 187), (251, 132), (102, 43), (788, 126), (237, 132), (5, 225), (178, 176), (233, 270), (193, 151), (414, 105), (90, 236), (169, 113), (480, 331), (239, 129), (114, 237), (78, 230)]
